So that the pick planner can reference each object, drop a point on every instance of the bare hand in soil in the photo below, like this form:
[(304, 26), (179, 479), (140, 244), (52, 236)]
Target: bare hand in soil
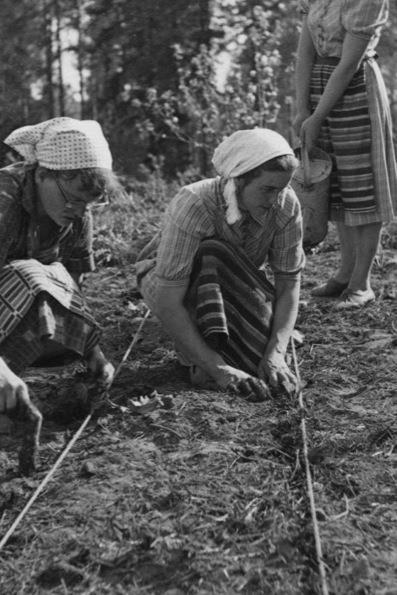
[(274, 369), (106, 374), (247, 386), (252, 389), (101, 369), (12, 389), (15, 400)]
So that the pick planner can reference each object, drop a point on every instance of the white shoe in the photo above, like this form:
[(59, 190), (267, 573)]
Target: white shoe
[(355, 299)]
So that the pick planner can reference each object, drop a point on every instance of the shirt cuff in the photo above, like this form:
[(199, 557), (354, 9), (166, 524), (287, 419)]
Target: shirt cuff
[(295, 275)]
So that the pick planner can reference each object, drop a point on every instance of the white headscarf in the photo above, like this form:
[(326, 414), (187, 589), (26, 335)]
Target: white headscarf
[(62, 144), (241, 152)]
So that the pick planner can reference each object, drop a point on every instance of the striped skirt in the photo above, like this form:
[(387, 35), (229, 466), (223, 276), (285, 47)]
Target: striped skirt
[(232, 304), (39, 302), (357, 134)]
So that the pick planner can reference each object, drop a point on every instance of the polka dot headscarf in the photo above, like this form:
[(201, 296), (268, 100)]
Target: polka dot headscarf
[(62, 144)]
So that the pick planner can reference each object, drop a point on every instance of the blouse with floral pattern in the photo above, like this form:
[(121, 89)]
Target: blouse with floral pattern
[(329, 21)]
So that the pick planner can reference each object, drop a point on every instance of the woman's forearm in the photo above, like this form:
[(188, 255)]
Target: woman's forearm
[(353, 52), (336, 86), (303, 69), (285, 313), (178, 323)]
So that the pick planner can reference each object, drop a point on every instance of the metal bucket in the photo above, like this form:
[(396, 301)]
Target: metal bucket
[(311, 182)]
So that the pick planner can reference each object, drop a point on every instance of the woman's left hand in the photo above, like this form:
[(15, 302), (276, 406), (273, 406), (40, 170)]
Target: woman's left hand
[(274, 369), (105, 374), (298, 121), (101, 369), (310, 131)]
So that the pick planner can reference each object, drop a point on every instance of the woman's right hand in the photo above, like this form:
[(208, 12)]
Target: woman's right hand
[(300, 117), (13, 390), (237, 381)]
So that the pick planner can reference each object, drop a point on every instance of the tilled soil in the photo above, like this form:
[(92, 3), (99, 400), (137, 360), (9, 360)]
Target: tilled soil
[(171, 490)]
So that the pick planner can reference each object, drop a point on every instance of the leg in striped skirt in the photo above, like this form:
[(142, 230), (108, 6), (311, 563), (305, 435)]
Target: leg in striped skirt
[(232, 303), (346, 136)]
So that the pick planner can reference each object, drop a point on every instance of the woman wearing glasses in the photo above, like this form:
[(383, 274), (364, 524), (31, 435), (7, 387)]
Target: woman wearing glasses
[(46, 247)]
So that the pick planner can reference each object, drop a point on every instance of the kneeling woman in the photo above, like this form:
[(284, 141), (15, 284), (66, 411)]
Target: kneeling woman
[(205, 279), (46, 246)]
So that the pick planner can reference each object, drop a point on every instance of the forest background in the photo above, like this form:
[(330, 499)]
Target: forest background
[(174, 491), (167, 79)]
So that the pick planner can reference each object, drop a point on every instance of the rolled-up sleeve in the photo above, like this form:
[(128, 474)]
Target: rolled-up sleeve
[(286, 255), (186, 224), (363, 18)]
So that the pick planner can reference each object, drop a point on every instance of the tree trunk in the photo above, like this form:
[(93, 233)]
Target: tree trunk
[(80, 59), (58, 37), (49, 58)]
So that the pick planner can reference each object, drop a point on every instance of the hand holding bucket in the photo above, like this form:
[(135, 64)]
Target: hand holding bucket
[(311, 183)]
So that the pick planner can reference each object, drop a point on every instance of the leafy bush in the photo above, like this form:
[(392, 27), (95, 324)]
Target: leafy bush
[(127, 224)]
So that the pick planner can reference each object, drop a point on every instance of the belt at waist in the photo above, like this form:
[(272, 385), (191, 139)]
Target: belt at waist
[(331, 60), (334, 60)]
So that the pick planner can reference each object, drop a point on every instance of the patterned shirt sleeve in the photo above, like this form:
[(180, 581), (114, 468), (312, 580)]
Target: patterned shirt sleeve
[(364, 18), (9, 222), (186, 224), (81, 258), (286, 255)]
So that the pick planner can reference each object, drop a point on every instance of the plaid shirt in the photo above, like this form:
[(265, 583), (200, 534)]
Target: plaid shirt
[(20, 232), (198, 211), (329, 21)]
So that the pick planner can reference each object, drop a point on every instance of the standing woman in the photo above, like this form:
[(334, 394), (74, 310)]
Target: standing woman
[(342, 106), (46, 247)]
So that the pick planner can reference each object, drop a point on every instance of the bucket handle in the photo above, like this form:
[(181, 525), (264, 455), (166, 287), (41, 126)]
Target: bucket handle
[(306, 166)]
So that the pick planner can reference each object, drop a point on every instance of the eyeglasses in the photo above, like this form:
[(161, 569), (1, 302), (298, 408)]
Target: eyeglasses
[(98, 202)]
